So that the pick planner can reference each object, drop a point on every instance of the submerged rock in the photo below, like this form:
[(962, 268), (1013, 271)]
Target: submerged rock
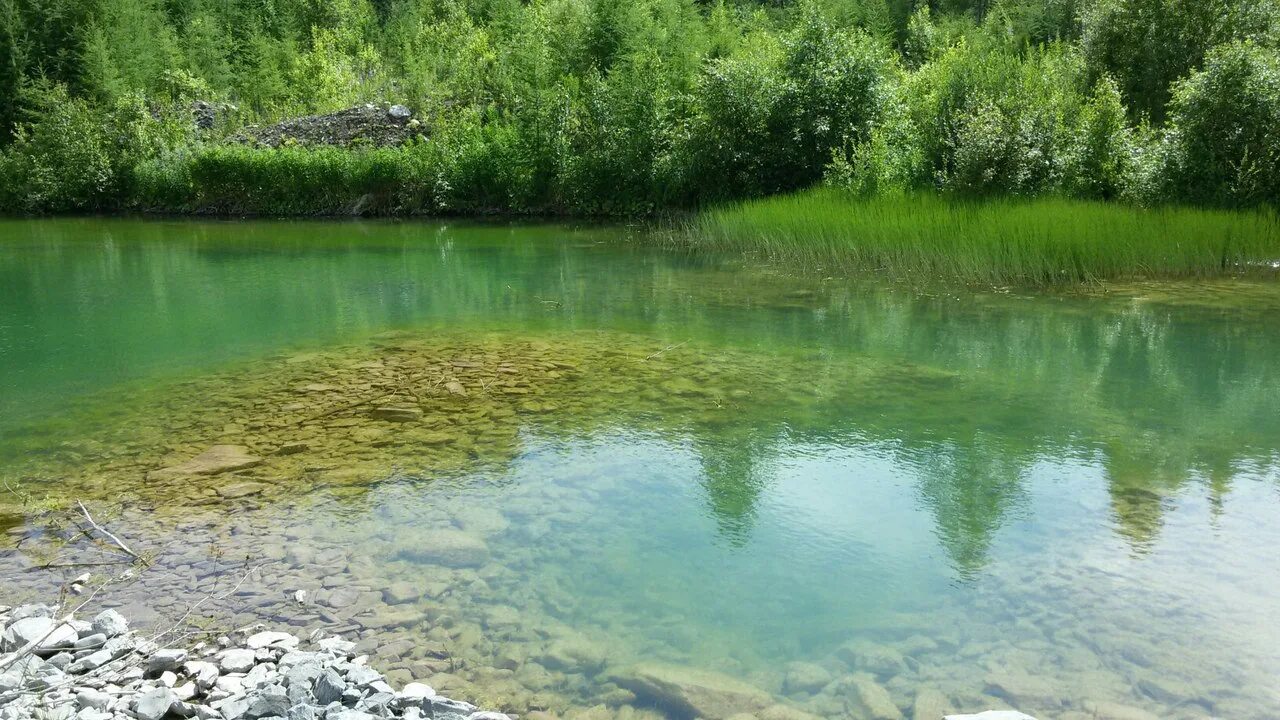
[(232, 491), (805, 677), (396, 413), (451, 548), (872, 657), (872, 701), (216, 460), (992, 715), (930, 704), (693, 692)]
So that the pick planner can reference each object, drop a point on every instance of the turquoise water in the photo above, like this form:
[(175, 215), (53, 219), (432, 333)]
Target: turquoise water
[(1063, 502)]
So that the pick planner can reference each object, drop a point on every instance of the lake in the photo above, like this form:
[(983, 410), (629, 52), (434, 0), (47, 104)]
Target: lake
[(553, 468)]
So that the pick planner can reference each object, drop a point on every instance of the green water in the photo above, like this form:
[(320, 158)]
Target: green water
[(1064, 502)]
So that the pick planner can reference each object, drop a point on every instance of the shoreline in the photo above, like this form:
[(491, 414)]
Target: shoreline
[(55, 666)]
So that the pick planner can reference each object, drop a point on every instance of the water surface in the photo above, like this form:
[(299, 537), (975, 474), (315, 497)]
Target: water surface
[(1062, 502)]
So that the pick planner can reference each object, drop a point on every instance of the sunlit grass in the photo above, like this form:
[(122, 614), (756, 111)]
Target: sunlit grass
[(995, 241)]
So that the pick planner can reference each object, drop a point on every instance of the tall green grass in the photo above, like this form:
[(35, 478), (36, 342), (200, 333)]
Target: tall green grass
[(1004, 242)]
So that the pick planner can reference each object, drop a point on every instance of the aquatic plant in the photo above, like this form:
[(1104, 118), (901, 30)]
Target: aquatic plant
[(1045, 241)]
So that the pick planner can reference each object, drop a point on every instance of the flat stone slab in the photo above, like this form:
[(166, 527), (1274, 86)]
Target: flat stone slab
[(692, 691), (451, 548), (239, 490), (397, 413), (216, 460)]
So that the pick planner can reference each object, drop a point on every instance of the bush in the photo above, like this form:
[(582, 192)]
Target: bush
[(771, 116), (736, 136), (1223, 142), (992, 121), (1100, 163), (60, 159)]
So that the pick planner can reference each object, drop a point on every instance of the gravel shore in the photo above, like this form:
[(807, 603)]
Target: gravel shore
[(58, 667)]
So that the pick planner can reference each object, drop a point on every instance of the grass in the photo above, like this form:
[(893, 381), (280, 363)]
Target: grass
[(1001, 242)]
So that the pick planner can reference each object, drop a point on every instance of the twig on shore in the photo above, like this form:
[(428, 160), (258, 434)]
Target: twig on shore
[(50, 565)]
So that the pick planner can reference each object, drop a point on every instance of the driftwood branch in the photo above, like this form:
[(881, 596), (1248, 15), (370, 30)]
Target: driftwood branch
[(667, 349), (119, 543)]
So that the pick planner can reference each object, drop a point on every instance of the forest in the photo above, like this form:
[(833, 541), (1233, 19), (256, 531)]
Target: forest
[(636, 107)]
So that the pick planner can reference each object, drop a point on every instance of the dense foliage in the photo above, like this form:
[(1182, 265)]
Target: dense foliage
[(624, 106)]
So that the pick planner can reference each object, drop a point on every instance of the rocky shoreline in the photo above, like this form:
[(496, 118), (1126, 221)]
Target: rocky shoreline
[(57, 667)]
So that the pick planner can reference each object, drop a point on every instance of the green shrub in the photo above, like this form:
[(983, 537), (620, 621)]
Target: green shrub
[(60, 159), (993, 122), (737, 134), (1099, 163), (1223, 143)]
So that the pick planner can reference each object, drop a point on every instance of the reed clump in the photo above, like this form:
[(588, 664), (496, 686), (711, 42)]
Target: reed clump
[(995, 241)]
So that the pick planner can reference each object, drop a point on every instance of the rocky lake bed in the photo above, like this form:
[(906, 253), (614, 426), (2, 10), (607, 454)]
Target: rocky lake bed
[(244, 489)]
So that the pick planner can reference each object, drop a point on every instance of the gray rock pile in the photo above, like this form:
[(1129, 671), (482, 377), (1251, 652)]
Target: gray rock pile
[(369, 124), (62, 668)]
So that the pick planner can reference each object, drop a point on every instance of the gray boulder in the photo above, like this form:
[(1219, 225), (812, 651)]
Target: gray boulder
[(270, 701), (30, 610), (91, 662), (236, 660), (165, 660), (45, 631), (154, 704), (90, 698), (110, 623), (268, 638), (329, 687), (204, 674)]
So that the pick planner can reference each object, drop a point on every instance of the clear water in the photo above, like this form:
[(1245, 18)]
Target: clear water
[(1061, 502)]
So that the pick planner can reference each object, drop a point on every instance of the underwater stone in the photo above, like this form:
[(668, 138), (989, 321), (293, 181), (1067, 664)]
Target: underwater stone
[(239, 490), (805, 677), (398, 593), (930, 704), (451, 548), (872, 699), (695, 692), (396, 413), (862, 654), (992, 715), (217, 459)]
